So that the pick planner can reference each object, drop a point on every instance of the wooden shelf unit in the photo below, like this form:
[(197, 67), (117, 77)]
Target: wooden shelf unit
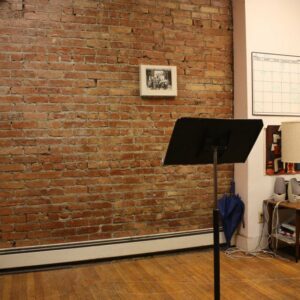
[(295, 207)]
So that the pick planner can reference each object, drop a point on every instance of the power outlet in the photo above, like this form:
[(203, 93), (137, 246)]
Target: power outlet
[(260, 217)]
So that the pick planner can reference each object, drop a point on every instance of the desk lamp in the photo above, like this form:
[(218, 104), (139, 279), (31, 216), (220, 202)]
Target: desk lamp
[(290, 145)]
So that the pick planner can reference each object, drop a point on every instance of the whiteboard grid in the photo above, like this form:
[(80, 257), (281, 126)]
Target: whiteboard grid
[(275, 84)]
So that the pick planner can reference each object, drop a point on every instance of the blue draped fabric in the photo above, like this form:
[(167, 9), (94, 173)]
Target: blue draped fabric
[(231, 208)]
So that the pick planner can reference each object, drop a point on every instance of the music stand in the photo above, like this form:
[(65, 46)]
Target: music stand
[(212, 141)]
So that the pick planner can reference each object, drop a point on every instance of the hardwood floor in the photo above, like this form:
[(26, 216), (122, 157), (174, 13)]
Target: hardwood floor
[(185, 276)]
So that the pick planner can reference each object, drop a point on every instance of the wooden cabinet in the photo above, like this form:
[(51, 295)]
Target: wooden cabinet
[(295, 208)]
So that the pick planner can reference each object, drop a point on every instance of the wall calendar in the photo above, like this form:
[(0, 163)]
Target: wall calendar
[(275, 84)]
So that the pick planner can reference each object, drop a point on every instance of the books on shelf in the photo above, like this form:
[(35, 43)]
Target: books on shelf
[(288, 227), (284, 238), (287, 232)]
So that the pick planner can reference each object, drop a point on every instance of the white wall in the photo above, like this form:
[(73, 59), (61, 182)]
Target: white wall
[(270, 26)]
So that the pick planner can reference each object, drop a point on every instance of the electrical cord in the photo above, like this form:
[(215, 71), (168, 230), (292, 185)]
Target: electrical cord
[(275, 226), (260, 251)]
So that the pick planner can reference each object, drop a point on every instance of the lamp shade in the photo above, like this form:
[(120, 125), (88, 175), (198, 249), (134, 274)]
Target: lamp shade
[(290, 142)]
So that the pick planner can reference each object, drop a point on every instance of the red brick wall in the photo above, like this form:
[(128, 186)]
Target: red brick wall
[(80, 150)]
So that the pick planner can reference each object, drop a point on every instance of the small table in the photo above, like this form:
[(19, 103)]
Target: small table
[(295, 206)]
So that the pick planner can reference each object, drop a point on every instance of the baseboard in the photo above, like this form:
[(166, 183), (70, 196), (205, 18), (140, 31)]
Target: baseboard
[(104, 249)]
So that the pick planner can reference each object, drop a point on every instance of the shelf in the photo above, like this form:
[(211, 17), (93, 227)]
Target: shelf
[(289, 240), (284, 238)]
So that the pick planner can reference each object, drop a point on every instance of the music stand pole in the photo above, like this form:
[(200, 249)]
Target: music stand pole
[(212, 141), (216, 229)]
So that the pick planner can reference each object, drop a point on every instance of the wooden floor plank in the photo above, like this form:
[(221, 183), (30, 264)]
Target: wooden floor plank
[(30, 286), (19, 287), (6, 287), (187, 275)]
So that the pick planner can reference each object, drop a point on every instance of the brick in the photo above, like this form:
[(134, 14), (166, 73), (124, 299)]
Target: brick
[(218, 73), (38, 234), (11, 185), (188, 7), (6, 211), (209, 9), (13, 219), (12, 167), (27, 227)]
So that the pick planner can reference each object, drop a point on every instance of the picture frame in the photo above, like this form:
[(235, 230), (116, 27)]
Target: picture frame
[(159, 81)]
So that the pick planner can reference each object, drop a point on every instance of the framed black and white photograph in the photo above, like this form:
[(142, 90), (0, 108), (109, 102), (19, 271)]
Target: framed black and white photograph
[(158, 80)]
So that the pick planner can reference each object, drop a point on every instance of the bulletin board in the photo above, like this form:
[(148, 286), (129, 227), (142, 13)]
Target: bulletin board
[(275, 84)]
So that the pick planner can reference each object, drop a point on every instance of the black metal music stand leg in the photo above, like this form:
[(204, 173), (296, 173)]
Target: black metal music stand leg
[(216, 230), (216, 255)]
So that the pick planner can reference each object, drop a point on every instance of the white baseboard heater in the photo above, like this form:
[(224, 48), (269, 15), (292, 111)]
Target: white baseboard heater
[(23, 257)]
